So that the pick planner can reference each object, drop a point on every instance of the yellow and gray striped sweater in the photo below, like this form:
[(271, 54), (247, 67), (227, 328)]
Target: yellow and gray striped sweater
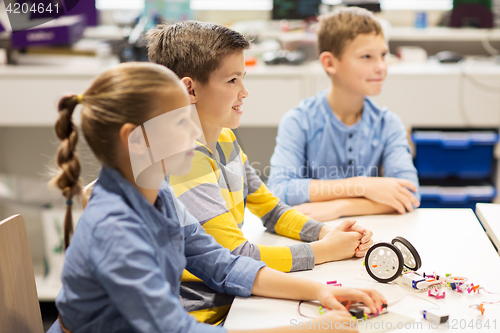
[(216, 193)]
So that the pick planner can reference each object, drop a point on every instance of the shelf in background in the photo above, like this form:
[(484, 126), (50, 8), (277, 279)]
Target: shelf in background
[(407, 34)]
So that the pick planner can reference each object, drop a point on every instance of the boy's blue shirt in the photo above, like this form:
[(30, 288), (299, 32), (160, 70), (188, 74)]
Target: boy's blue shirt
[(312, 143), (123, 267)]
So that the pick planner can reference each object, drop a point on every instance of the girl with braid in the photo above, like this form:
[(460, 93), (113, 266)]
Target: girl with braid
[(134, 239)]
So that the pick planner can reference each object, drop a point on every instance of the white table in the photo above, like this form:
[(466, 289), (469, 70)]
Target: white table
[(489, 215), (448, 241)]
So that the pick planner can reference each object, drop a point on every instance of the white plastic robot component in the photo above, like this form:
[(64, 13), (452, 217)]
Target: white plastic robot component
[(384, 262)]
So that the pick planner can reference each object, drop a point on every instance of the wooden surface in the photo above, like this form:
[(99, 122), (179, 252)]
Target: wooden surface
[(19, 308)]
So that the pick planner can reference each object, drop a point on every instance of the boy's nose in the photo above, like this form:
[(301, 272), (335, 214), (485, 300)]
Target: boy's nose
[(244, 93), (381, 66)]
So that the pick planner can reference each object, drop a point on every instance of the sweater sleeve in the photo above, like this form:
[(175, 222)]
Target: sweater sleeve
[(280, 218), (213, 207)]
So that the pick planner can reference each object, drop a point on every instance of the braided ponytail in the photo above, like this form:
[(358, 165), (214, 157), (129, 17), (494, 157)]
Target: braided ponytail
[(126, 93), (68, 162)]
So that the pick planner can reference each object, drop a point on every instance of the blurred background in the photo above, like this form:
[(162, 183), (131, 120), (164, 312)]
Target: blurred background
[(443, 81)]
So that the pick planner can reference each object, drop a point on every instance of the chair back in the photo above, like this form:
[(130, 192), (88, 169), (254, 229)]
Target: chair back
[(19, 306)]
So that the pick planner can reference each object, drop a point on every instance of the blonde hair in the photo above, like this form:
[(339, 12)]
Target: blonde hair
[(338, 28), (126, 93)]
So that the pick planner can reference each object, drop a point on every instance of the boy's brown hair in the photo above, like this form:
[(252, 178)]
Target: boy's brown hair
[(338, 28), (193, 49)]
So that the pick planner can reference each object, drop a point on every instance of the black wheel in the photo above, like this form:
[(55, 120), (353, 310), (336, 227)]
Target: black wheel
[(411, 257), (384, 262)]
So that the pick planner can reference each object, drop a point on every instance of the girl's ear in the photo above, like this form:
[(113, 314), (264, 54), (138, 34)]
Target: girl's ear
[(328, 61), (190, 86), (132, 139)]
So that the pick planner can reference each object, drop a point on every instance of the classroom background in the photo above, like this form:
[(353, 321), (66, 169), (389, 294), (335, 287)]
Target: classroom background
[(443, 82)]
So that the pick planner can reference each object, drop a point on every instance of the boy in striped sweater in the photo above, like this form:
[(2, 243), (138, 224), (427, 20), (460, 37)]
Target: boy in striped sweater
[(209, 60)]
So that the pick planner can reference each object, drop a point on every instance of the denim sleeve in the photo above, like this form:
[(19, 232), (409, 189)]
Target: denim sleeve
[(213, 263), (126, 266), (396, 159), (288, 164)]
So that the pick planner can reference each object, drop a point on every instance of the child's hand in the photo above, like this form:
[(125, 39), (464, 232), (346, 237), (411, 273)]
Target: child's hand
[(346, 323), (392, 192), (340, 243), (363, 248), (370, 297), (322, 211), (365, 243)]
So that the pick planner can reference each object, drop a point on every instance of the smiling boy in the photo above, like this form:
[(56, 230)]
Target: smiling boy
[(331, 149), (209, 60)]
